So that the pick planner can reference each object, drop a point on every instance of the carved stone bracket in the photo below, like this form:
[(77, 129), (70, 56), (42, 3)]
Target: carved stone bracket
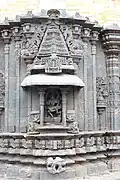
[(86, 34), (94, 38), (6, 34), (77, 29), (16, 33)]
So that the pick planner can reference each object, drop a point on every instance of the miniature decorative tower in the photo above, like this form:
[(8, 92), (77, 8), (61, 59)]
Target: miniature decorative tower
[(51, 79)]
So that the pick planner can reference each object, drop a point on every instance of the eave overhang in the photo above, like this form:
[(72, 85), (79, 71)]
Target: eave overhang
[(54, 80)]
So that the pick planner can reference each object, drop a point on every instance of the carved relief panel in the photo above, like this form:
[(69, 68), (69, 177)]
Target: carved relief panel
[(53, 106)]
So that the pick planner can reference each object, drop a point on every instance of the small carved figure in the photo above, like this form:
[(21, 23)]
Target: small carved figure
[(34, 119), (56, 165), (102, 91), (74, 127), (29, 47), (70, 116), (76, 49), (53, 106), (31, 127)]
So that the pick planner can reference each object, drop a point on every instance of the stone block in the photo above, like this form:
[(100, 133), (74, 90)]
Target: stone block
[(81, 170), (36, 175)]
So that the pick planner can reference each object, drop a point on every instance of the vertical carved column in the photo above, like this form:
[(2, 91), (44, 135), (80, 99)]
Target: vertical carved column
[(113, 82), (94, 38), (17, 58), (85, 37), (6, 37), (29, 101), (64, 102), (2, 100), (42, 103), (111, 44)]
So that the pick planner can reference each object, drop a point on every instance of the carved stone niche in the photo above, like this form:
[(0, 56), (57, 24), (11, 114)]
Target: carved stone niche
[(53, 106), (33, 121), (102, 93)]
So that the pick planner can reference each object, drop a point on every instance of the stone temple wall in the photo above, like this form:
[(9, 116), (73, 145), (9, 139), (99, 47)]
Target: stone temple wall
[(95, 58), (59, 97)]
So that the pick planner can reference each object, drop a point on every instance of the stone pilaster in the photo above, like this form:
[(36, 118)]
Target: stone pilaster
[(6, 38), (111, 44), (85, 37), (94, 38), (29, 101), (42, 103), (17, 59), (64, 106)]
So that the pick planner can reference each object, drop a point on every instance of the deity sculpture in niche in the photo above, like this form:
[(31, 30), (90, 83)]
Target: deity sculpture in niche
[(53, 107)]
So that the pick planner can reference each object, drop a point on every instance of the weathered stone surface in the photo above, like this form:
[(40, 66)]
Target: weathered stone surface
[(51, 124)]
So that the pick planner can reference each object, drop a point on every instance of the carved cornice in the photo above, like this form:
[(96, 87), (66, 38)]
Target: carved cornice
[(25, 21)]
